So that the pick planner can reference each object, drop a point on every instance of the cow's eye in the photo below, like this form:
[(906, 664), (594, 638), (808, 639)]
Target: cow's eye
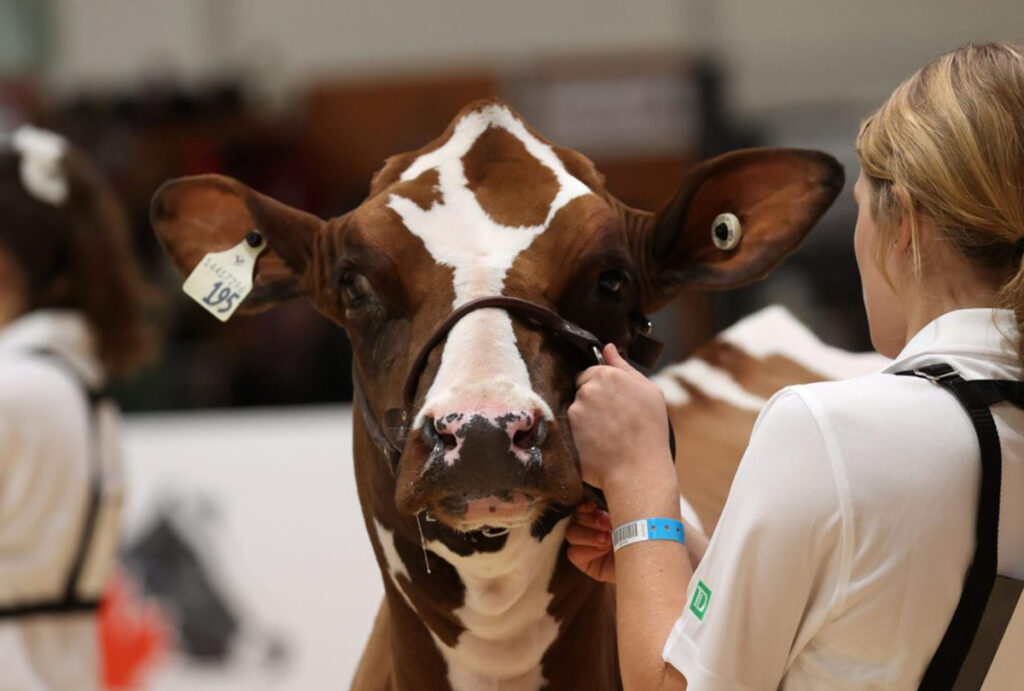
[(356, 289), (613, 282)]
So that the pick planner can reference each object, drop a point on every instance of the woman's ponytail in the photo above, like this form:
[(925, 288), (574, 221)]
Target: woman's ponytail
[(103, 276), (69, 237)]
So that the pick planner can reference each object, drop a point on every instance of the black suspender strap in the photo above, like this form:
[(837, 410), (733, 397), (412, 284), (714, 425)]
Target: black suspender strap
[(69, 601), (95, 495), (947, 669)]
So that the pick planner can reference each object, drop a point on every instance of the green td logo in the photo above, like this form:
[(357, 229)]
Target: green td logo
[(701, 600)]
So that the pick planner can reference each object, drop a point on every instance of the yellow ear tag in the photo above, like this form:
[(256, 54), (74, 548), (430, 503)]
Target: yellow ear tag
[(220, 282)]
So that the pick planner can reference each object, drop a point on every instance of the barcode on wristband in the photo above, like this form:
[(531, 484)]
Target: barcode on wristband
[(628, 533)]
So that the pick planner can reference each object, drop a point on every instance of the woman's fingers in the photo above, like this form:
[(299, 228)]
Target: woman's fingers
[(578, 534), (597, 563), (597, 520), (583, 556), (590, 543), (613, 358), (587, 374)]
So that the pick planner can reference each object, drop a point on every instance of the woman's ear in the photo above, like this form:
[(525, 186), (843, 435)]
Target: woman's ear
[(198, 215), (734, 219), (906, 235)]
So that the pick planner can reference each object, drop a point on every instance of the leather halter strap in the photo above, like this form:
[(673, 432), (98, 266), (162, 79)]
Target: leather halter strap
[(391, 436)]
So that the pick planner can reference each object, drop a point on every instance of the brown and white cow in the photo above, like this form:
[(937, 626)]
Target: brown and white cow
[(467, 526)]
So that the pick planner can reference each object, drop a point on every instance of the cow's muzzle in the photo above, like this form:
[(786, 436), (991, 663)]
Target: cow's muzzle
[(393, 434), (482, 469), (499, 478)]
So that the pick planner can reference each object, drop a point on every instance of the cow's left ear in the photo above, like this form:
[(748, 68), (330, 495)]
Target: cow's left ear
[(735, 218)]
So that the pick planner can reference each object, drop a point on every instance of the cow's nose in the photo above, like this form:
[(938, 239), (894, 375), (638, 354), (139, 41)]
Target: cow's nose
[(457, 433), (527, 431)]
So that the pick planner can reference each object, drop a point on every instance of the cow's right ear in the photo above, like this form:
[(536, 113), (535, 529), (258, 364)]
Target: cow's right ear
[(197, 215)]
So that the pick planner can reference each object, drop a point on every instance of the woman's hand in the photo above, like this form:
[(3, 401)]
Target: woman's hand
[(620, 427), (619, 423), (590, 542)]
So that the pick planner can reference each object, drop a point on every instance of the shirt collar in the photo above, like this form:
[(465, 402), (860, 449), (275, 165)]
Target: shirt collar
[(64, 332), (985, 333)]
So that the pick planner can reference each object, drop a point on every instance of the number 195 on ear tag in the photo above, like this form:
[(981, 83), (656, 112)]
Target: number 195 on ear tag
[(220, 282)]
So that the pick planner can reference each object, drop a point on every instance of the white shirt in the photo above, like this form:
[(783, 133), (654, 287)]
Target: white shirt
[(841, 552), (45, 476)]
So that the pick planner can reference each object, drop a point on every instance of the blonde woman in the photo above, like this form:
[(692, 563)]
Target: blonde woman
[(860, 517), (69, 314)]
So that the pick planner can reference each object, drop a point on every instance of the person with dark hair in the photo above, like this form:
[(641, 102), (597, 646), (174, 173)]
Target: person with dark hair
[(70, 312)]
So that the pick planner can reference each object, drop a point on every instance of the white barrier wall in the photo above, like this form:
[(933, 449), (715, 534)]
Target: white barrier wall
[(284, 540)]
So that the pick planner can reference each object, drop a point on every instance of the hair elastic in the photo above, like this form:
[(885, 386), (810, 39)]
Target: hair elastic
[(42, 171)]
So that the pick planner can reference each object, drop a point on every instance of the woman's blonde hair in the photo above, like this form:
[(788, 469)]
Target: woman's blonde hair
[(949, 145)]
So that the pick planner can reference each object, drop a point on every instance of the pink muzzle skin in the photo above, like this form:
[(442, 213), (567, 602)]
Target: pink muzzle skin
[(517, 506), (525, 431)]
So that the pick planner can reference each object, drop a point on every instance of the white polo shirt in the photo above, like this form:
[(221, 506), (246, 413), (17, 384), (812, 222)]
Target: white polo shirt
[(45, 475), (841, 552)]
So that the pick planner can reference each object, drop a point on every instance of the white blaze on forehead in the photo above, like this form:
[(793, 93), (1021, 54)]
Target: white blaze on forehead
[(480, 361)]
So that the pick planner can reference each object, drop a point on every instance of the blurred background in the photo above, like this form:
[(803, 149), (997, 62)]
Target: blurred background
[(303, 100)]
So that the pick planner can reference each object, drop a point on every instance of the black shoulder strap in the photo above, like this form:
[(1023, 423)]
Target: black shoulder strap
[(975, 397), (69, 601)]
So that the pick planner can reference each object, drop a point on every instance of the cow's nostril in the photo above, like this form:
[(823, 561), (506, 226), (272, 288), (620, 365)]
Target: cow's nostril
[(532, 436), (435, 434)]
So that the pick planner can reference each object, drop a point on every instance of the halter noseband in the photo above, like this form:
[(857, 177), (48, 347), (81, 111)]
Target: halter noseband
[(390, 438)]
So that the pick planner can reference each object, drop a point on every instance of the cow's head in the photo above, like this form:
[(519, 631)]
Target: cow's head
[(492, 208)]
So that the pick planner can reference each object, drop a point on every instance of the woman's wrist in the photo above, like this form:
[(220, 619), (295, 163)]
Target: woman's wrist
[(642, 488)]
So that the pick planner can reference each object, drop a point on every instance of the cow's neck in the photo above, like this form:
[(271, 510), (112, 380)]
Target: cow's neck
[(508, 627), (511, 618), (518, 605)]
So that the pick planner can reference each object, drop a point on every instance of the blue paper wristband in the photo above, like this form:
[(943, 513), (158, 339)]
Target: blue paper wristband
[(648, 529)]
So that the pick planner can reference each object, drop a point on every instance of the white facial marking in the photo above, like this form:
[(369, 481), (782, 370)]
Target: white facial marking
[(481, 366), (505, 613)]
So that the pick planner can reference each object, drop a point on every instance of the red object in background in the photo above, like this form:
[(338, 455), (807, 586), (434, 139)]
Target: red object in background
[(134, 635)]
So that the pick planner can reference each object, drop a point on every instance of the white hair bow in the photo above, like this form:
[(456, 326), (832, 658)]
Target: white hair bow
[(41, 171)]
